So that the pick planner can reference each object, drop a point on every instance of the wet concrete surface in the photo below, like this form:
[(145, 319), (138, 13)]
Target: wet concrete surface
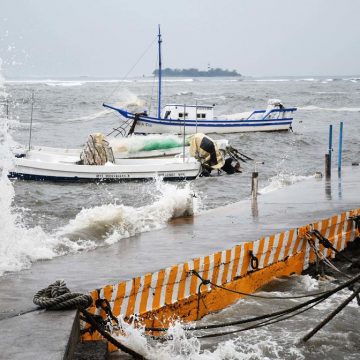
[(181, 240), (38, 335)]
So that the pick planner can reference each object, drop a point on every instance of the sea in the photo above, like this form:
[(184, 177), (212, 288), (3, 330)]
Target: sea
[(36, 218)]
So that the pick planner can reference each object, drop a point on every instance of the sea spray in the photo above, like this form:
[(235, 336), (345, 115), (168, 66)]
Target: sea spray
[(19, 246), (283, 179), (111, 222), (276, 341)]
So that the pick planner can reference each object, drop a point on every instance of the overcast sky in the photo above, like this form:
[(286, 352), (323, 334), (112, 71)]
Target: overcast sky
[(48, 38)]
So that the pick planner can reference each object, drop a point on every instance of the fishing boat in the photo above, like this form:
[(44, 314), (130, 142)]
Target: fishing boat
[(96, 162), (191, 119), (62, 167)]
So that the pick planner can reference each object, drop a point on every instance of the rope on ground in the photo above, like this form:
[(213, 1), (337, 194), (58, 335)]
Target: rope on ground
[(58, 297)]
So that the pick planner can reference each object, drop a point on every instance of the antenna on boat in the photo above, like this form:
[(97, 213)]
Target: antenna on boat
[(196, 114), (159, 73), (184, 134), (31, 117)]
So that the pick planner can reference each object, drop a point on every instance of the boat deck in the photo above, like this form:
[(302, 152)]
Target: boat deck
[(181, 240)]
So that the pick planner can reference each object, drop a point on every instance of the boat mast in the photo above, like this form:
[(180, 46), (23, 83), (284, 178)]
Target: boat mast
[(159, 73)]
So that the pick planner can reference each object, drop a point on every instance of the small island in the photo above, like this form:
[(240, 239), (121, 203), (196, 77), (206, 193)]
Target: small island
[(192, 72)]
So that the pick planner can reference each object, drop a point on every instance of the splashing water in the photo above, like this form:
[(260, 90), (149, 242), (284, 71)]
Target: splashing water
[(19, 246), (111, 223), (281, 180)]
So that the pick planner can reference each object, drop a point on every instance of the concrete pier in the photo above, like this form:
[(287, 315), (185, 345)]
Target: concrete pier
[(181, 240)]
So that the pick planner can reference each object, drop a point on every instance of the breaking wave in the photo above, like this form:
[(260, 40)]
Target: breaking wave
[(271, 342), (110, 223), (341, 109), (19, 246), (282, 180)]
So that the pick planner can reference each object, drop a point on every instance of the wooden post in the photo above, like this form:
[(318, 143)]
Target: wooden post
[(254, 184), (327, 166)]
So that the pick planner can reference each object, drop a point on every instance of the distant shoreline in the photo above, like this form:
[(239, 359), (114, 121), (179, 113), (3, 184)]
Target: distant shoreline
[(192, 72)]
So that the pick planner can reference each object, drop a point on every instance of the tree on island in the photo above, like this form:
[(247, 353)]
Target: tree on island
[(196, 72)]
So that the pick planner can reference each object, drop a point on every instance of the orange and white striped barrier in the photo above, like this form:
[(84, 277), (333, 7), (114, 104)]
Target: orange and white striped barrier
[(158, 298)]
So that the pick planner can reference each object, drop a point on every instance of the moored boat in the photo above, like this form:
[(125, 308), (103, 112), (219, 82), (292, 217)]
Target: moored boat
[(66, 168), (191, 119)]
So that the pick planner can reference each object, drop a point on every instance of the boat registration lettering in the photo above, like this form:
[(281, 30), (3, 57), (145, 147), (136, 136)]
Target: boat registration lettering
[(171, 174), (144, 124), (112, 176)]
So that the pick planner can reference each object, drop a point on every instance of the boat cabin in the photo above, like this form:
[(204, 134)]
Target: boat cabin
[(180, 111)]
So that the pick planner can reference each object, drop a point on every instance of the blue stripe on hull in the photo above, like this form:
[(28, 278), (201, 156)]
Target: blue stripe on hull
[(75, 179), (285, 122)]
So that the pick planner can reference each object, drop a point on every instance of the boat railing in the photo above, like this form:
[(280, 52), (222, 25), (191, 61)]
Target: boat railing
[(270, 112), (122, 130)]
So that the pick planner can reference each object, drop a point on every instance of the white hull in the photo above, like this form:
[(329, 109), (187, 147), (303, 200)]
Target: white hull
[(143, 127), (37, 152), (63, 168)]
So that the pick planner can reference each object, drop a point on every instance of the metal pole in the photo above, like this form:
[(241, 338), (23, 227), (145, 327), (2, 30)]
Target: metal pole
[(31, 117), (330, 142), (340, 147), (159, 90), (184, 134)]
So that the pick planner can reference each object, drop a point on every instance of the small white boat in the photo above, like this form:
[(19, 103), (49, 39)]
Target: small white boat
[(59, 167), (96, 162), (191, 119)]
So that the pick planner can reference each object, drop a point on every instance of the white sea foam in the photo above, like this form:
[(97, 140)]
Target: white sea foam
[(64, 83), (111, 223), (283, 179), (184, 346), (273, 342), (271, 80), (341, 109), (19, 246)]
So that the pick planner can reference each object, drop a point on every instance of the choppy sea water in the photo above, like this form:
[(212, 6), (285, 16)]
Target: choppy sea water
[(44, 220)]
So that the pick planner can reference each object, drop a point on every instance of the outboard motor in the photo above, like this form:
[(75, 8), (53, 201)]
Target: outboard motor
[(206, 151)]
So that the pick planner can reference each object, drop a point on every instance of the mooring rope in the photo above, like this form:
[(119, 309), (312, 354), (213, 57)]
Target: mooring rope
[(319, 298), (58, 297), (206, 282), (326, 243)]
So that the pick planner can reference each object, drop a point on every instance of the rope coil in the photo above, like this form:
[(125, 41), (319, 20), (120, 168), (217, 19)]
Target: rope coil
[(58, 297)]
